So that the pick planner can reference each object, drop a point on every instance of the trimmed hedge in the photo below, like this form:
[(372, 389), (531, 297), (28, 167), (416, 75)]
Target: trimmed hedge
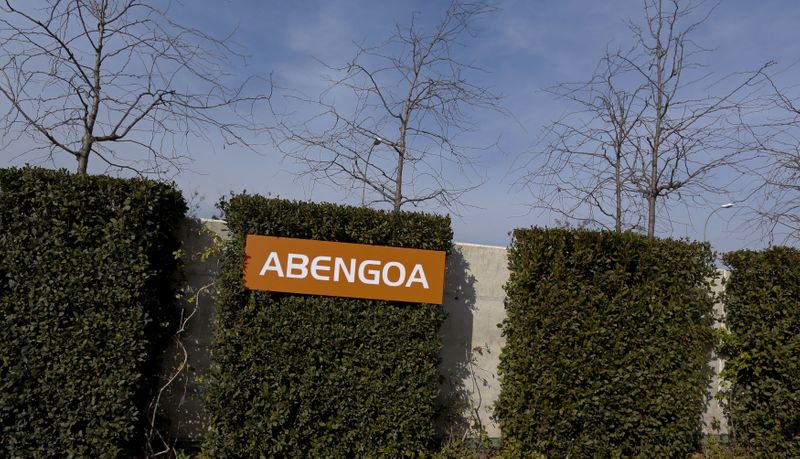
[(608, 337), (313, 376), (86, 285), (762, 301)]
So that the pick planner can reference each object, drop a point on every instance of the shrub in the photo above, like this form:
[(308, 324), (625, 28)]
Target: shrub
[(312, 376), (86, 285), (608, 340), (762, 301)]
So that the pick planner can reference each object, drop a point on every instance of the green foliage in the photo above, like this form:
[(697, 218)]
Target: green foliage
[(86, 287), (762, 302), (312, 376), (607, 342), (713, 448)]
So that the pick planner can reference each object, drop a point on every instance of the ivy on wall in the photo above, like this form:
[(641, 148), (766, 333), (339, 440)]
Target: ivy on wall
[(608, 337), (313, 376), (87, 288), (762, 303)]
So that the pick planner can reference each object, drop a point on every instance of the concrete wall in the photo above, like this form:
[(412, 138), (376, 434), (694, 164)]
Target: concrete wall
[(474, 301), (181, 400), (471, 339), (713, 420)]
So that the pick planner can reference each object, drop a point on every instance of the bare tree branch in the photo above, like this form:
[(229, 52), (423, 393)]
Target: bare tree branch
[(648, 128), (583, 171), (82, 76), (406, 104), (776, 139), (686, 134)]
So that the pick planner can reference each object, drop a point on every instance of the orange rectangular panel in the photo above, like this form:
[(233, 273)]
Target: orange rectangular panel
[(282, 264)]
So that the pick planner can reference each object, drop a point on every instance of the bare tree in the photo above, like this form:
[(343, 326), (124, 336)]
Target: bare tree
[(390, 120), (652, 125), (688, 133), (586, 158), (118, 79), (777, 140)]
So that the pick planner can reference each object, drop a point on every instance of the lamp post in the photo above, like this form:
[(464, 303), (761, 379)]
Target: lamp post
[(719, 308), (705, 227), (375, 142)]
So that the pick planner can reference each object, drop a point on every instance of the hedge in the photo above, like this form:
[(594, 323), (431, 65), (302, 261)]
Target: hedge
[(86, 287), (608, 337), (312, 376), (762, 301)]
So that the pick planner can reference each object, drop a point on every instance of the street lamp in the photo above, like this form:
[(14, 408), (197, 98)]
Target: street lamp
[(719, 308), (705, 227), (375, 142)]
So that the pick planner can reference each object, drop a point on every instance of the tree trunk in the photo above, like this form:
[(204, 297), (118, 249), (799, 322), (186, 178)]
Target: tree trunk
[(398, 189), (655, 143), (400, 148), (652, 192), (651, 216), (83, 163), (618, 189), (91, 117)]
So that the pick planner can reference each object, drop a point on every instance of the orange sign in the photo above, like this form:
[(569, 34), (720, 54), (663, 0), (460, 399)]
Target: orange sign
[(283, 264)]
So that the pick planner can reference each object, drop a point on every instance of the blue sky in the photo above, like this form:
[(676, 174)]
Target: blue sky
[(523, 48)]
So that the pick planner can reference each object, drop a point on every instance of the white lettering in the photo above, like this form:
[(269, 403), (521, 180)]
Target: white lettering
[(375, 274), (340, 267), (392, 274), (301, 267), (316, 268), (401, 271), (272, 264), (417, 275)]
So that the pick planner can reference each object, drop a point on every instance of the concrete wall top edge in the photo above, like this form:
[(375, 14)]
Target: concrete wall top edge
[(470, 244)]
